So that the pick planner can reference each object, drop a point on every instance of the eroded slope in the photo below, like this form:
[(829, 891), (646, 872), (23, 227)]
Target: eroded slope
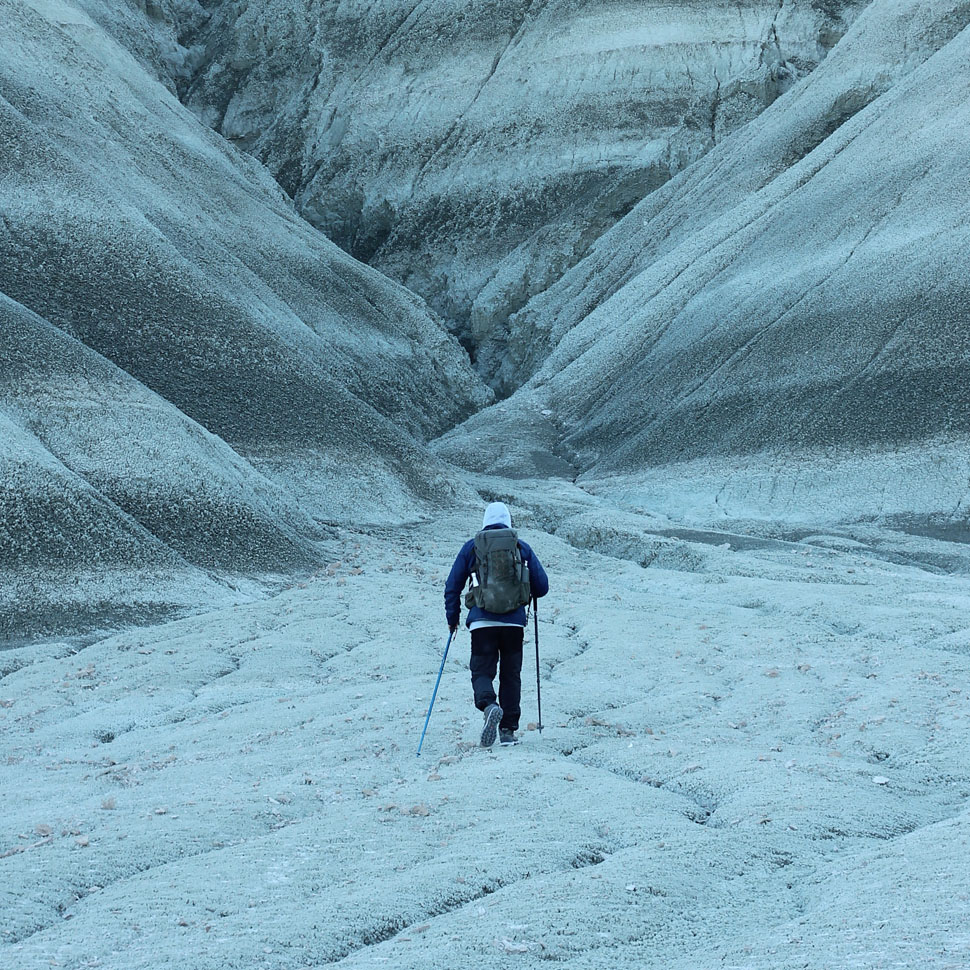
[(243, 346), (799, 296), (475, 152)]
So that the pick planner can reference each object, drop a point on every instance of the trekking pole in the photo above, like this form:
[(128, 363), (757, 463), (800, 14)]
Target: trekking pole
[(535, 617), (435, 694)]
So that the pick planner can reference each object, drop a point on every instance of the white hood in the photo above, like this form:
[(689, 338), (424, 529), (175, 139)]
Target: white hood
[(497, 514)]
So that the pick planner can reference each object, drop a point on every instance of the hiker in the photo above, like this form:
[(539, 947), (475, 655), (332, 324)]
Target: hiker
[(505, 575)]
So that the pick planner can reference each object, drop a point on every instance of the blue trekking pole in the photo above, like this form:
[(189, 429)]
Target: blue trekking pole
[(435, 694), (535, 616)]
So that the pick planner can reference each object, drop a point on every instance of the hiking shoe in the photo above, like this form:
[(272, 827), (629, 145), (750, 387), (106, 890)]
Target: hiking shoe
[(493, 714), (506, 736)]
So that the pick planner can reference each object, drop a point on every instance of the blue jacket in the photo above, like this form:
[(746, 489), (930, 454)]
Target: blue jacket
[(462, 569)]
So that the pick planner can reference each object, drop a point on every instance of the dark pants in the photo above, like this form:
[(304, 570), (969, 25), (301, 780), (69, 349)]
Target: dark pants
[(491, 644)]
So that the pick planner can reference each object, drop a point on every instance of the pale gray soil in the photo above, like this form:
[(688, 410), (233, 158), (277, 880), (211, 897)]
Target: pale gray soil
[(750, 758)]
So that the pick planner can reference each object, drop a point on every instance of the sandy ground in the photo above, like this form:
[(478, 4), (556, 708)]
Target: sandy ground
[(753, 756)]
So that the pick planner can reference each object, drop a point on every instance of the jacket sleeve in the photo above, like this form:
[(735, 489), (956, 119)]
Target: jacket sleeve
[(457, 578), (538, 579)]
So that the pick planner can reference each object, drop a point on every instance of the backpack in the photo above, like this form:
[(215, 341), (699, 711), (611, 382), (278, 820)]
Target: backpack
[(500, 579)]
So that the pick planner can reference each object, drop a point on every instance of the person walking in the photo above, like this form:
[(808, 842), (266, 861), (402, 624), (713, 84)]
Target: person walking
[(504, 575)]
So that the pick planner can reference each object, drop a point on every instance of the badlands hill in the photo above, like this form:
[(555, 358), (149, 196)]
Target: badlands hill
[(790, 305), (713, 255), (191, 373), (475, 151), (693, 232)]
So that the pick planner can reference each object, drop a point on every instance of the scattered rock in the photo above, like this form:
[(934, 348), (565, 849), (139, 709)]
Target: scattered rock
[(510, 946)]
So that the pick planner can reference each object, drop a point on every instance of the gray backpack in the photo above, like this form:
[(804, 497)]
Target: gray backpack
[(500, 579)]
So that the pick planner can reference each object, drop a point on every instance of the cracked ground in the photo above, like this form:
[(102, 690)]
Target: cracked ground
[(755, 759)]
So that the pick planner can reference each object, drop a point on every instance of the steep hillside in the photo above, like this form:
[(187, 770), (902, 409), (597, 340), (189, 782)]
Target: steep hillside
[(141, 234), (101, 475), (70, 559), (889, 43), (830, 308), (253, 365), (803, 288), (475, 152)]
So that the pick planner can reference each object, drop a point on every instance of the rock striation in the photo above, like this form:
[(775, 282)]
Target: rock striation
[(474, 153), (692, 243), (187, 365), (799, 291)]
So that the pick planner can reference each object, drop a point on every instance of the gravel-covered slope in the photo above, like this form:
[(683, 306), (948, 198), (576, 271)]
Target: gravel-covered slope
[(209, 506), (71, 559), (139, 232), (775, 298), (102, 480), (475, 152), (183, 358)]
